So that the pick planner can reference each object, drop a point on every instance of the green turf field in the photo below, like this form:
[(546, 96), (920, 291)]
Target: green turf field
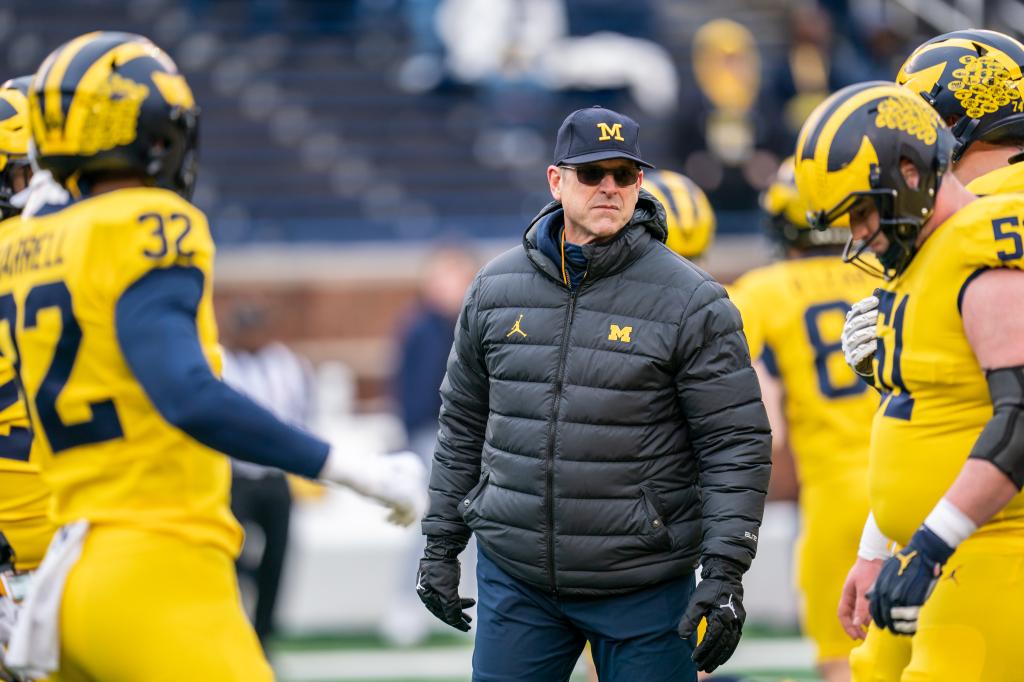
[(764, 656)]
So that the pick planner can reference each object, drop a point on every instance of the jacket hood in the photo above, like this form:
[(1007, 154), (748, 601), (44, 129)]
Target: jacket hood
[(648, 222)]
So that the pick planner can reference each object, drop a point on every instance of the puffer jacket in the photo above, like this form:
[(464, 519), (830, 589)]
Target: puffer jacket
[(606, 439)]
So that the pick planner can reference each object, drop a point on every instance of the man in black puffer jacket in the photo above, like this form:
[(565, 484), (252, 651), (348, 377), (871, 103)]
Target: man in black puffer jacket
[(602, 433)]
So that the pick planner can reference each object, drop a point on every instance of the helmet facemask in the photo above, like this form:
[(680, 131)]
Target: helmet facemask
[(13, 166), (902, 209)]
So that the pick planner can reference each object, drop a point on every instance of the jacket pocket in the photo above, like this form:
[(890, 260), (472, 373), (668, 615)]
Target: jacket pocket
[(657, 528), (468, 505)]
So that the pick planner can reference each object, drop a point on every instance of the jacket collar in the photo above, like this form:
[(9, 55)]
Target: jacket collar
[(612, 256)]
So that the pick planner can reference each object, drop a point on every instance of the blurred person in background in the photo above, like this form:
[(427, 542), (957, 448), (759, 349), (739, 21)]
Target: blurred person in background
[(793, 313), (424, 343), (601, 433), (15, 166), (722, 136), (816, 63), (23, 496), (115, 342), (25, 528), (274, 376), (974, 79)]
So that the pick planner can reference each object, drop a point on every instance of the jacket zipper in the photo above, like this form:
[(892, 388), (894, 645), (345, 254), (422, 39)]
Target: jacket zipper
[(552, 425)]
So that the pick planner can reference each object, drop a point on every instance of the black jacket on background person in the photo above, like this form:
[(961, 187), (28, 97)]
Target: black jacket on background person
[(603, 439)]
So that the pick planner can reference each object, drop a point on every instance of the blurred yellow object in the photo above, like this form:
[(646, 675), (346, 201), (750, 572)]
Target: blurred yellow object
[(727, 65), (782, 198), (689, 216), (305, 490), (13, 123)]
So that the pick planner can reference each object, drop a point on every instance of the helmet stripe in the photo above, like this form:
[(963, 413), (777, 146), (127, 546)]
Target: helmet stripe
[(809, 138), (7, 109), (86, 57), (663, 192), (687, 194), (692, 196), (53, 108)]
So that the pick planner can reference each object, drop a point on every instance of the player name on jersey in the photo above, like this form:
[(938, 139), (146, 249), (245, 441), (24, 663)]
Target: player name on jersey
[(32, 252)]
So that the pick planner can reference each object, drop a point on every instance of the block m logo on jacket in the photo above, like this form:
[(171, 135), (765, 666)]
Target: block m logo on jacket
[(617, 333)]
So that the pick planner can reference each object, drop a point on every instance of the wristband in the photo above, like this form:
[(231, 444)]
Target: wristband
[(949, 523), (873, 545)]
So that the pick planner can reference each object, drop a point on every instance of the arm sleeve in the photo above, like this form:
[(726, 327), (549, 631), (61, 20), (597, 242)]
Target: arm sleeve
[(463, 421), (729, 430), (156, 329)]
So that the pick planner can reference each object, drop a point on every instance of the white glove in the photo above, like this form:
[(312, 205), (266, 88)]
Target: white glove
[(42, 190), (398, 481), (859, 337)]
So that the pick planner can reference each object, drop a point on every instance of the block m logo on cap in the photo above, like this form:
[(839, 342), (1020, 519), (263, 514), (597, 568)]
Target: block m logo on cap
[(610, 132)]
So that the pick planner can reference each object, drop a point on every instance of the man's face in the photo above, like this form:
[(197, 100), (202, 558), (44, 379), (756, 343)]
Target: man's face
[(864, 222), (595, 212), (20, 177)]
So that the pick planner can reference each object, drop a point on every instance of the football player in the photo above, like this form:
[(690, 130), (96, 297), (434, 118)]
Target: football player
[(108, 305), (975, 80), (23, 497), (688, 214), (15, 169), (793, 312), (946, 460)]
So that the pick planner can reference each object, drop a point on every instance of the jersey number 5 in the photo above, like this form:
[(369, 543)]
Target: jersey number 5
[(104, 424)]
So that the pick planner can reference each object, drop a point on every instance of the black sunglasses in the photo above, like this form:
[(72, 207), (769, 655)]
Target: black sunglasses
[(592, 174)]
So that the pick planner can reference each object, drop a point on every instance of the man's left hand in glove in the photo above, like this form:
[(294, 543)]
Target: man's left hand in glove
[(437, 582), (907, 580), (719, 599)]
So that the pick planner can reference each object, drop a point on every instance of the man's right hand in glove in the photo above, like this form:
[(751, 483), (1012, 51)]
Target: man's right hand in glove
[(859, 337), (397, 481), (437, 582), (719, 598)]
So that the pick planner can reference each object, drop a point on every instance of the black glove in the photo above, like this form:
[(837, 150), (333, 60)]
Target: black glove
[(718, 598), (907, 580), (437, 582)]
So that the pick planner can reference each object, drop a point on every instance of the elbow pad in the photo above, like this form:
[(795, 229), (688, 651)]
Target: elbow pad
[(1002, 440)]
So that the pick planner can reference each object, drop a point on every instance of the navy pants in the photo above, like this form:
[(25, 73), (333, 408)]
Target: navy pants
[(524, 633)]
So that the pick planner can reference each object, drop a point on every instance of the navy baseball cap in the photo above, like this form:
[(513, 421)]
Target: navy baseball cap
[(596, 134)]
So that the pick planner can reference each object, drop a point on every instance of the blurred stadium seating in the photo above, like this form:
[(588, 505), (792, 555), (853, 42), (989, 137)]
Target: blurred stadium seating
[(306, 134), (312, 131)]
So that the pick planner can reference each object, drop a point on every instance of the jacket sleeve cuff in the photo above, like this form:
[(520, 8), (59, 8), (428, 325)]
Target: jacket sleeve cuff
[(444, 546)]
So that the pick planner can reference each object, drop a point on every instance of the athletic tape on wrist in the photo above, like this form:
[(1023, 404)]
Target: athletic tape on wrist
[(873, 544), (949, 523)]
